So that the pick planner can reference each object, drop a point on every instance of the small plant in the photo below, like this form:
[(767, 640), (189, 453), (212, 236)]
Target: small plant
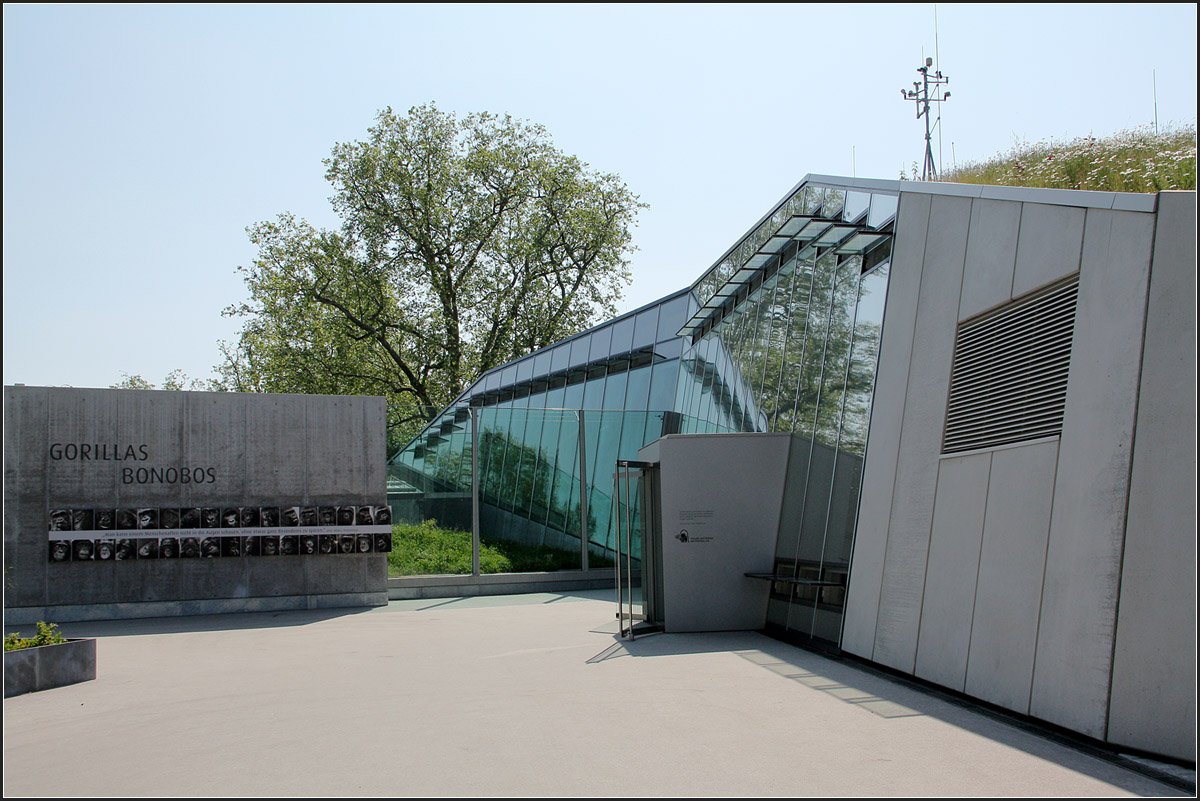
[(47, 634)]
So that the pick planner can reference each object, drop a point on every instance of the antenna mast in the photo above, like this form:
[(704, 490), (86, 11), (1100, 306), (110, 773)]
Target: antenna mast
[(926, 91)]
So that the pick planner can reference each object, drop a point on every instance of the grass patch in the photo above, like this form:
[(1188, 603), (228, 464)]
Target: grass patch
[(1136, 160), (427, 549)]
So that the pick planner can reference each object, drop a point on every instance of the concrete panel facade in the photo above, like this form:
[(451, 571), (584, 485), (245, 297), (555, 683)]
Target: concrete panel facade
[(1011, 564), (1048, 246), (1087, 530), (920, 437), (991, 256), (1054, 578), (1155, 654), (92, 449), (962, 493)]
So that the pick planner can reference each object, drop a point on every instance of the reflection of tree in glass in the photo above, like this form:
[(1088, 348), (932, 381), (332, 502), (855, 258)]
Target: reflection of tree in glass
[(814, 351), (860, 381), (510, 470)]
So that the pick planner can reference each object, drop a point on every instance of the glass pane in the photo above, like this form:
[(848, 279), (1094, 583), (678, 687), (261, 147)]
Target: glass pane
[(593, 390), (579, 350), (758, 356), (687, 383), (556, 395), (856, 413), (883, 209), (671, 317), (560, 358), (857, 204), (542, 469), (669, 349), (564, 510), (541, 362), (601, 342), (662, 386), (808, 391), (429, 498), (703, 403), (637, 390), (622, 335), (645, 328), (800, 297), (614, 391), (573, 396), (828, 417)]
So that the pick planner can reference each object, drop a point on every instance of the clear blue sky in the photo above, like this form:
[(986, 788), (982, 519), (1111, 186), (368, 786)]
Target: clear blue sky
[(140, 141)]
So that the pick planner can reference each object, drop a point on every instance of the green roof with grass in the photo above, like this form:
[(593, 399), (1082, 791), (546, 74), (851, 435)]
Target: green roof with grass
[(1137, 160)]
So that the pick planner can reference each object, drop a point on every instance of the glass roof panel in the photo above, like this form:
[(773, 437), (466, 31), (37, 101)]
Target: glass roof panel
[(812, 199), (860, 242), (775, 243), (725, 286), (834, 234), (883, 209), (834, 200), (792, 226), (813, 229), (856, 206)]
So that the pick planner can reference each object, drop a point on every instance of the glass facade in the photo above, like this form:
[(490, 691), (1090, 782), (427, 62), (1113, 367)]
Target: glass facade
[(780, 335), (550, 427), (788, 326)]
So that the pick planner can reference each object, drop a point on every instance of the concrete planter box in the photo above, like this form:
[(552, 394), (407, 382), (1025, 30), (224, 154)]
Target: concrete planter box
[(31, 669)]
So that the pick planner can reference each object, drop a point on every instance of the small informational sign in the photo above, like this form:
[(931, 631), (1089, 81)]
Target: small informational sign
[(694, 525)]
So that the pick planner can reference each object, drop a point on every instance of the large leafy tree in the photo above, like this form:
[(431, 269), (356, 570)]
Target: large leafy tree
[(464, 244)]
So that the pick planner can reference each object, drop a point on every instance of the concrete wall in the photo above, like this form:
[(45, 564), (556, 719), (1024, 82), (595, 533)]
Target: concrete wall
[(1155, 651), (725, 490), (252, 450), (1008, 573)]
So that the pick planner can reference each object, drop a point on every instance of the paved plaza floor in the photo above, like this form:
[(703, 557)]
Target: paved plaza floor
[(508, 696)]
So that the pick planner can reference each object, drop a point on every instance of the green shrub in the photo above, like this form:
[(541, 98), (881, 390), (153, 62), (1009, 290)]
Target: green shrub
[(427, 549), (47, 634)]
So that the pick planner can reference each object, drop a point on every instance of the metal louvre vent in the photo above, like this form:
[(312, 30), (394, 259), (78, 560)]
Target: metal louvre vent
[(1009, 380)]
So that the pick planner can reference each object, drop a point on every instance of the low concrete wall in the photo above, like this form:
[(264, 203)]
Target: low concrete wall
[(414, 587), (46, 666), (74, 613)]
